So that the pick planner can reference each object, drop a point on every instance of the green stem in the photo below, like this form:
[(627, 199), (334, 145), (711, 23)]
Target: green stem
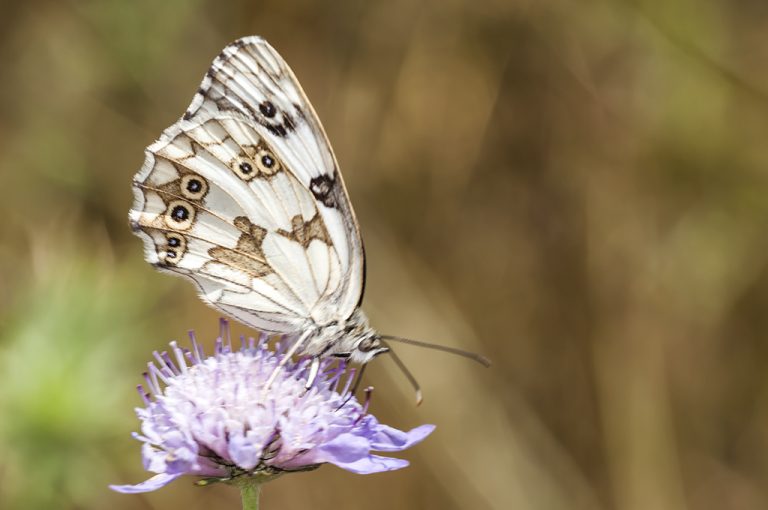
[(250, 494)]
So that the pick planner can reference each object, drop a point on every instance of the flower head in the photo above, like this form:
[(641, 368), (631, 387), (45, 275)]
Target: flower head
[(214, 417)]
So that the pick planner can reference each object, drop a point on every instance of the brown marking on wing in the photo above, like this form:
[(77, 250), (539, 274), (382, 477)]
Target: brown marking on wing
[(248, 256), (256, 161), (303, 232), (174, 189)]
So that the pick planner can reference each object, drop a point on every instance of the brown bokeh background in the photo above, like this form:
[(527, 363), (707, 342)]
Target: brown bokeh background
[(578, 190)]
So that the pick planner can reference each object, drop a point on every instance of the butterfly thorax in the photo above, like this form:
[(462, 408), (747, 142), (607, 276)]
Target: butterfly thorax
[(353, 339)]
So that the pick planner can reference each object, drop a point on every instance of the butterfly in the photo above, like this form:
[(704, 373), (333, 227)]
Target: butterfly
[(243, 196)]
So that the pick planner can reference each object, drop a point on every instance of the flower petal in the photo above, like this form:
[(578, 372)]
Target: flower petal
[(152, 484), (343, 449), (208, 428), (373, 464), (388, 439), (154, 459), (243, 450)]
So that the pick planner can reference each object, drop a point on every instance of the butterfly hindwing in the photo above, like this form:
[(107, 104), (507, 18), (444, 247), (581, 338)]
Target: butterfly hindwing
[(244, 197)]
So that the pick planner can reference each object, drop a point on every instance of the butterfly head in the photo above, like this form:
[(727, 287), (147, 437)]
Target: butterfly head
[(358, 341), (368, 347)]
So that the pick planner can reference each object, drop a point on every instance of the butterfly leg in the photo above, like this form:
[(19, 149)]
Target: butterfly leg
[(313, 371), (286, 358)]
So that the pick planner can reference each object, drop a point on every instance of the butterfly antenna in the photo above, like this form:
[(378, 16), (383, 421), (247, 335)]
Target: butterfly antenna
[(452, 350), (407, 373)]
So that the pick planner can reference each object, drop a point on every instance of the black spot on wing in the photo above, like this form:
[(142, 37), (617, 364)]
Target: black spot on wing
[(288, 122), (299, 111), (216, 87), (277, 130), (323, 188), (280, 129), (202, 92), (267, 108)]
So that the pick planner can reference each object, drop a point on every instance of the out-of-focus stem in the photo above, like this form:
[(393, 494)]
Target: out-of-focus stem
[(250, 494)]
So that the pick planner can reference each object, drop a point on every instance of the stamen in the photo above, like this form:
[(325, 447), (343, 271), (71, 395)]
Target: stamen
[(169, 363), (143, 394), (151, 385), (156, 374), (197, 351), (335, 378), (368, 394), (179, 354), (224, 333), (162, 365), (263, 339), (352, 372)]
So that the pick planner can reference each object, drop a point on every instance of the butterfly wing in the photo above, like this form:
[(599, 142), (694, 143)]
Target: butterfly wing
[(243, 196)]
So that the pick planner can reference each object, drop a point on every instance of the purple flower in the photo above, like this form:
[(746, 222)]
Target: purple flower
[(213, 417)]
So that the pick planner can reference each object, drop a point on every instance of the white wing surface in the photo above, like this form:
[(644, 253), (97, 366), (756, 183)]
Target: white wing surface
[(243, 196)]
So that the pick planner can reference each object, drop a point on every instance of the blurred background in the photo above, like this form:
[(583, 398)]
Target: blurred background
[(578, 190)]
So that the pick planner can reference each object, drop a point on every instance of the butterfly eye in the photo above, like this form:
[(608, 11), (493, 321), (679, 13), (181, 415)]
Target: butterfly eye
[(179, 215), (368, 344), (193, 187), (267, 162)]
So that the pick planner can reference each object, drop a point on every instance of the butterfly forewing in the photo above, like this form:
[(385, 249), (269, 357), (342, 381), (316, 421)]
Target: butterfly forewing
[(243, 196)]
